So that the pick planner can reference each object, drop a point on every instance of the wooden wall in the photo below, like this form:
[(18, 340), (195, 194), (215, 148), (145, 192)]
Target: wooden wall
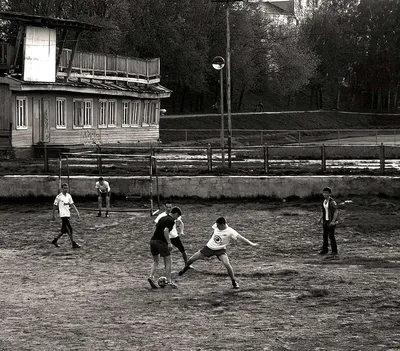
[(79, 136), (5, 112)]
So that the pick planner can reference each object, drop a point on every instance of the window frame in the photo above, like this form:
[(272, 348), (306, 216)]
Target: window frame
[(135, 118), (64, 117), (126, 115), (24, 118), (111, 103), (87, 118), (104, 117)]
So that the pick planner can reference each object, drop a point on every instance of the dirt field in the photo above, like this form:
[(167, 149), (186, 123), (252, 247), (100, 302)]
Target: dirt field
[(98, 298)]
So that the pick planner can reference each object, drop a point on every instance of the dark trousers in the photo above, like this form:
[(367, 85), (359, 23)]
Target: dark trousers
[(329, 233), (65, 225)]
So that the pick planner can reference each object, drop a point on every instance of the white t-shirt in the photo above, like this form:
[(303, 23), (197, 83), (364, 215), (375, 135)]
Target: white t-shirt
[(104, 188), (174, 232), (63, 202), (326, 207), (221, 238)]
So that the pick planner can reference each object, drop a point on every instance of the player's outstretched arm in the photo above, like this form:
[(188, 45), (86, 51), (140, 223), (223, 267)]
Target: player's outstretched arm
[(241, 237)]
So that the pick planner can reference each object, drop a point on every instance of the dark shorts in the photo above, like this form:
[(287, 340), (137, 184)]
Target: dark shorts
[(207, 252), (158, 247), (178, 244), (65, 225)]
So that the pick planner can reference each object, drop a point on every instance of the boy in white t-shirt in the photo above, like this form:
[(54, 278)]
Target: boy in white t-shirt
[(176, 231), (216, 246), (63, 202), (104, 194)]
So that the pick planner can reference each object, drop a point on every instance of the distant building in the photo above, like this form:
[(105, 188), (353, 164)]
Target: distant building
[(58, 96), (286, 11)]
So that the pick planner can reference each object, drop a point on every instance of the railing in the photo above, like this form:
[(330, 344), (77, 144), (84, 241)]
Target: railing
[(109, 65), (282, 136), (251, 160)]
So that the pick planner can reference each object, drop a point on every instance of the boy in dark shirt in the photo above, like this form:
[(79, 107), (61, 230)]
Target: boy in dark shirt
[(328, 219), (160, 245)]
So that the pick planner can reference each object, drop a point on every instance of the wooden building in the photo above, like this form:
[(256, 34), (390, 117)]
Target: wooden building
[(58, 96)]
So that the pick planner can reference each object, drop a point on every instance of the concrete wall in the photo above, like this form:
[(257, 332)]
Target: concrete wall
[(206, 187)]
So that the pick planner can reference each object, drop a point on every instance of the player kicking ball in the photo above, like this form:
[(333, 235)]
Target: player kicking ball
[(216, 246)]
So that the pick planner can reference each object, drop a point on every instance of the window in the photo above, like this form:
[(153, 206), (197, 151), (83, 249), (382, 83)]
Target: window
[(102, 113), (135, 113), (83, 113), (111, 113), (88, 114), (78, 113), (153, 113), (21, 113), (125, 114), (60, 113), (146, 113)]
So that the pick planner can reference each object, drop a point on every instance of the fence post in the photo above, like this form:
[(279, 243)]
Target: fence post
[(45, 159), (382, 158), (186, 135), (262, 137), (266, 160), (323, 158), (209, 158), (99, 161)]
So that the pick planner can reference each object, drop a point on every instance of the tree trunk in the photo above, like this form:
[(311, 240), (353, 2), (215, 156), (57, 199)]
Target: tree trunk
[(241, 97), (338, 97), (320, 98)]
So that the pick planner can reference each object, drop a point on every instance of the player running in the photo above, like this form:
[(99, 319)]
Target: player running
[(216, 246)]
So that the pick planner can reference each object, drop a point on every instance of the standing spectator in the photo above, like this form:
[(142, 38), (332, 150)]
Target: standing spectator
[(329, 219)]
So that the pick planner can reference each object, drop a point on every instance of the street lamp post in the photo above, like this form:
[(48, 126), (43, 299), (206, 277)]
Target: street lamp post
[(218, 63)]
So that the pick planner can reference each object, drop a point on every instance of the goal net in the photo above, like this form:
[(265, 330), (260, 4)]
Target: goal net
[(133, 179)]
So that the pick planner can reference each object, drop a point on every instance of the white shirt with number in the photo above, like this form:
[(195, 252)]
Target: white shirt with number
[(104, 188), (221, 238), (174, 232), (63, 202)]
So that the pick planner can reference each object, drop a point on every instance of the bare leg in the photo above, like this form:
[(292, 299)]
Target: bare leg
[(154, 266), (99, 204), (197, 256), (225, 260), (168, 265)]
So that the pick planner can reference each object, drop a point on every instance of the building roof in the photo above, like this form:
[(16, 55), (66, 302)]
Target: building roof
[(91, 87), (49, 22)]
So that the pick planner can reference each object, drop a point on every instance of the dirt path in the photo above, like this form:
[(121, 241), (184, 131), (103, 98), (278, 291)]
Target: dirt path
[(97, 298)]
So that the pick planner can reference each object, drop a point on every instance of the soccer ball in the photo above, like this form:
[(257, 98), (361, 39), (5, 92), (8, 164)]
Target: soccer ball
[(162, 282)]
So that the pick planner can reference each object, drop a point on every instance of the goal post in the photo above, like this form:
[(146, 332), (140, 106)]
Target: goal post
[(87, 160)]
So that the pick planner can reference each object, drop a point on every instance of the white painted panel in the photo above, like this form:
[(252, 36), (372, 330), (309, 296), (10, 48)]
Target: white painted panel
[(40, 54)]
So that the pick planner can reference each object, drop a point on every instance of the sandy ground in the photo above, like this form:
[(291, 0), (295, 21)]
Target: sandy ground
[(98, 298)]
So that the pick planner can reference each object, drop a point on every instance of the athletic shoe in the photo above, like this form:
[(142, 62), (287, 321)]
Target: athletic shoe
[(172, 285), (75, 245), (333, 253), (54, 242), (235, 285), (152, 283), (191, 267), (322, 252), (182, 272)]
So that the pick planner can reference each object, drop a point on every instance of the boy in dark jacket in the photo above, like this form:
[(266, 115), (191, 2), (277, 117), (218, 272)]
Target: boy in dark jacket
[(329, 220)]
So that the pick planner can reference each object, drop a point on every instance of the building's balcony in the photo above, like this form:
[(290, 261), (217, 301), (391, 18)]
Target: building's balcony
[(108, 67)]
